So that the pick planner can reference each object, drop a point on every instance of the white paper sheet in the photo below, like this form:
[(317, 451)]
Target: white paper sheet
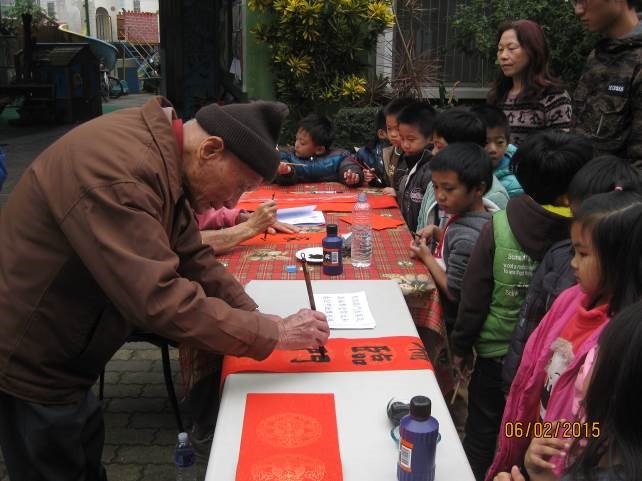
[(346, 311), (305, 215)]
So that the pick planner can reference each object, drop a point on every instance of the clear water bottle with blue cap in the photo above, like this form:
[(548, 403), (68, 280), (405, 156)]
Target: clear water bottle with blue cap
[(184, 458), (361, 247)]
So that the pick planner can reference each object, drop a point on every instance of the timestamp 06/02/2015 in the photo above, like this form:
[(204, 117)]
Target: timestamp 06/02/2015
[(548, 429)]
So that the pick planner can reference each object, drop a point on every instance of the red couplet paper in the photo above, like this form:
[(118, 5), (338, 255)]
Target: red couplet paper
[(379, 222), (280, 238), (342, 202), (398, 353), (289, 437)]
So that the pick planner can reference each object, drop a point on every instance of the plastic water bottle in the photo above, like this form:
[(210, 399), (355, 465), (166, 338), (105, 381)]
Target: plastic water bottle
[(361, 246), (418, 436), (184, 459)]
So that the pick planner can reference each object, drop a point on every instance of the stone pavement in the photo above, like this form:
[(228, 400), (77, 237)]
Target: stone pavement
[(139, 423)]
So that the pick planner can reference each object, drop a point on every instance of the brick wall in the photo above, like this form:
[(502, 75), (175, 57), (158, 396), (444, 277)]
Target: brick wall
[(138, 27)]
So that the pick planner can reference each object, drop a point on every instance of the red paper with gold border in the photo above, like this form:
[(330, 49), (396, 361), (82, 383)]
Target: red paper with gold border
[(289, 437), (397, 353)]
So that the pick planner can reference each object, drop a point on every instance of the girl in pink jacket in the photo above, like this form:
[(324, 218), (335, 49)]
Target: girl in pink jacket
[(606, 236), (609, 446)]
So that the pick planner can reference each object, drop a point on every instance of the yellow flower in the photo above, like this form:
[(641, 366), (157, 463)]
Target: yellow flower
[(380, 11), (353, 87), (299, 66), (279, 5)]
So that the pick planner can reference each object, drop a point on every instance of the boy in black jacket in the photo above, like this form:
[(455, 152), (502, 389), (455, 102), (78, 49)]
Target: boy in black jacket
[(415, 132)]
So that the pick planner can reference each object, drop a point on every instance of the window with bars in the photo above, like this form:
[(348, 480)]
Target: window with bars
[(51, 9), (434, 35), (137, 6)]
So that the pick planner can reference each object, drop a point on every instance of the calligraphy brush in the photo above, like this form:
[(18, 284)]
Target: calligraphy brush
[(308, 285), (265, 235), (292, 163), (364, 166)]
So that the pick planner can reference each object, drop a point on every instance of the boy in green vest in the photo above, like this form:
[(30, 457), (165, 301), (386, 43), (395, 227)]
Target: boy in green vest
[(501, 266)]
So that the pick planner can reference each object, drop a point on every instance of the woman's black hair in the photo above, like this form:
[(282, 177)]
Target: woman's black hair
[(603, 174), (538, 78), (612, 402), (614, 221)]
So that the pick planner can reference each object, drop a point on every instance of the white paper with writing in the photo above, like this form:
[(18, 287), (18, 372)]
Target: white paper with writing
[(346, 311)]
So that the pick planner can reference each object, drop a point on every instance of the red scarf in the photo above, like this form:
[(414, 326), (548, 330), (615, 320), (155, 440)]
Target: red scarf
[(177, 126)]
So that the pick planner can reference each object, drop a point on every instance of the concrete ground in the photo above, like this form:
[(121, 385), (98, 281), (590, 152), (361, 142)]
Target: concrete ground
[(140, 427)]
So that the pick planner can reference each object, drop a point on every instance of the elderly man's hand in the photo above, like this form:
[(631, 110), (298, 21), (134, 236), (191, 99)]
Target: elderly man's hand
[(263, 217), (305, 329), (389, 191)]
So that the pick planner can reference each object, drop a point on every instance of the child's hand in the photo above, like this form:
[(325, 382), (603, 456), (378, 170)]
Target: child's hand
[(538, 454), (514, 475), (284, 168), (368, 176), (351, 178), (419, 248), (429, 233), (389, 191)]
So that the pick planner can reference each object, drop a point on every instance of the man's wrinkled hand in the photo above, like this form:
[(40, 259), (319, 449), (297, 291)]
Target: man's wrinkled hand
[(305, 329), (263, 217)]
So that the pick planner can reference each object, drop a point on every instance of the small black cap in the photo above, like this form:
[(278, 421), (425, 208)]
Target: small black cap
[(420, 407), (332, 229)]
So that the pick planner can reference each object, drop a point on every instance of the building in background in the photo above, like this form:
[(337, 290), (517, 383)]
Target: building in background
[(103, 14)]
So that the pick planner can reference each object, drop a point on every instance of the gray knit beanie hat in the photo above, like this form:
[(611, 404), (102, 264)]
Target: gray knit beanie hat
[(250, 131)]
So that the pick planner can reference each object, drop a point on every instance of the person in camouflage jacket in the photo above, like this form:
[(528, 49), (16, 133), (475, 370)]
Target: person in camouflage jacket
[(607, 104)]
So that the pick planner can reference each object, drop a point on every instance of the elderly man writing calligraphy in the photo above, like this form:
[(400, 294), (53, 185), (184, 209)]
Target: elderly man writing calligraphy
[(99, 237)]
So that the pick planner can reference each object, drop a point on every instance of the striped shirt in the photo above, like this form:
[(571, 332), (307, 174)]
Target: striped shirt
[(552, 110)]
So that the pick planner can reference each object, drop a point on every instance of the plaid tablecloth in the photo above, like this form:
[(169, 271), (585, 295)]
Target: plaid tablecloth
[(390, 260)]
